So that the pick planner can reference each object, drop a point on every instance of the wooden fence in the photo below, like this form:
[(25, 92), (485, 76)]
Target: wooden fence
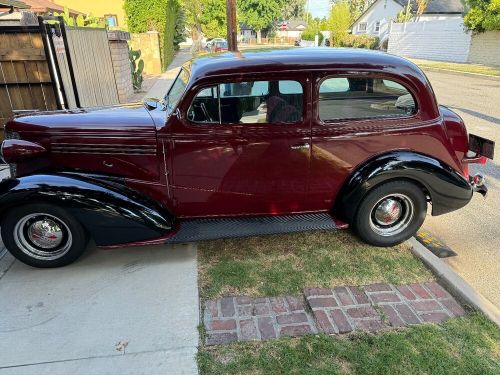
[(25, 80)]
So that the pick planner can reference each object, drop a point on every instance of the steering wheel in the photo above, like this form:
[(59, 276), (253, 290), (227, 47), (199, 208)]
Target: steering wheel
[(191, 115)]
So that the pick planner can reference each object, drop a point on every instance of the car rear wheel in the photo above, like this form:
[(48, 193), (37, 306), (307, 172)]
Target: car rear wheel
[(43, 235), (391, 213)]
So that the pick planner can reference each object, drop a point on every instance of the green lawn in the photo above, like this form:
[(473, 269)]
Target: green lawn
[(468, 68), (285, 264), (468, 346)]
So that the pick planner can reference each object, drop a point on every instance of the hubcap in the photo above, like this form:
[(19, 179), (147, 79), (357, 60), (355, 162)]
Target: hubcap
[(388, 212), (391, 215), (45, 233), (42, 236)]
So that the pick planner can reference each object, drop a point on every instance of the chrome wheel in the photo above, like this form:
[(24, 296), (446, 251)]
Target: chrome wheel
[(42, 236), (391, 214)]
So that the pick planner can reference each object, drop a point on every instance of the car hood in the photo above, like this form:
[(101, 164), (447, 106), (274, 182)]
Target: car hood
[(131, 118)]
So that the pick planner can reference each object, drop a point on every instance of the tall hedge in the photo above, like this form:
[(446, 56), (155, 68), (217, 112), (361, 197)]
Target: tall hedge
[(154, 15)]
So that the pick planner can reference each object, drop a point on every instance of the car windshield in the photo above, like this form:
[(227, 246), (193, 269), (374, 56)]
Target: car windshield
[(222, 44), (177, 89)]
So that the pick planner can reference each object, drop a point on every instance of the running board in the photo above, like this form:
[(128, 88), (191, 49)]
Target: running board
[(212, 229)]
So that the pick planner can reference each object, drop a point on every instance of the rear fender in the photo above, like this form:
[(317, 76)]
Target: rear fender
[(447, 189), (109, 211)]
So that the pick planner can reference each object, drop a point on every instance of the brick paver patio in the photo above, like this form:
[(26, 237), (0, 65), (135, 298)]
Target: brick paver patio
[(339, 310)]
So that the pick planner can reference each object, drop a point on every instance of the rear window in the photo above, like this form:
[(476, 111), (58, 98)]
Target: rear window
[(360, 98)]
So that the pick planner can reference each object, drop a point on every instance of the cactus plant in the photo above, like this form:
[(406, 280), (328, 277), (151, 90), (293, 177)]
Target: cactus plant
[(136, 68)]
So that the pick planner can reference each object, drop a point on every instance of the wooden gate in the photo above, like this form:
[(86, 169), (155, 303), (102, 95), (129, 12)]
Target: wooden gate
[(25, 79), (52, 66)]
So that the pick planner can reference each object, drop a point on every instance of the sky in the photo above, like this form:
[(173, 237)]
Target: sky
[(319, 8)]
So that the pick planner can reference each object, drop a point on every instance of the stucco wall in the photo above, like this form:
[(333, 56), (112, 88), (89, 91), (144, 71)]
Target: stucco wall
[(443, 40), (485, 48), (149, 44)]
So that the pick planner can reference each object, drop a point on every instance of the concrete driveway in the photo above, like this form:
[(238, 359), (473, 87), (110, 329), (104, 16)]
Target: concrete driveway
[(124, 311), (474, 231)]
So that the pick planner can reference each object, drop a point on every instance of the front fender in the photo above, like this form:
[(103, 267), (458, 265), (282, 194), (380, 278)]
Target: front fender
[(111, 212), (448, 189)]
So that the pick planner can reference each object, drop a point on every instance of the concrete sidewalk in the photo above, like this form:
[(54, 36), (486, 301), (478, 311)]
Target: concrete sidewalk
[(161, 86), (127, 311)]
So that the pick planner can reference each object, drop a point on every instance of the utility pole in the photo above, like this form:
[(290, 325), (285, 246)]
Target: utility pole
[(231, 25)]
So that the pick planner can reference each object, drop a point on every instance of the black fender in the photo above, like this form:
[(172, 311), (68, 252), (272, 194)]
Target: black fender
[(447, 189), (111, 212)]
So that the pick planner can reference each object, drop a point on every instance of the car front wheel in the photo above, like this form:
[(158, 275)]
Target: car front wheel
[(391, 213), (43, 235)]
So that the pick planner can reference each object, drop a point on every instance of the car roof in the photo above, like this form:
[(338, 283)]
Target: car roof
[(297, 59)]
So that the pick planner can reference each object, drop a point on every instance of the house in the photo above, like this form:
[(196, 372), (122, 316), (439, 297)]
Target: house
[(110, 10), (376, 19), (10, 6), (43, 7), (290, 28)]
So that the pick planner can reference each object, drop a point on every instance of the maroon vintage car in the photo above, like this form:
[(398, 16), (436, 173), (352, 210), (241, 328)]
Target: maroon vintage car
[(241, 144)]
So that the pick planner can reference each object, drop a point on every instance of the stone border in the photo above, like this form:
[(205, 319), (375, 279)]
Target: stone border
[(455, 284), (340, 310)]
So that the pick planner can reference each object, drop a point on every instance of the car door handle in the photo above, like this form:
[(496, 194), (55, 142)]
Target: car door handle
[(301, 146)]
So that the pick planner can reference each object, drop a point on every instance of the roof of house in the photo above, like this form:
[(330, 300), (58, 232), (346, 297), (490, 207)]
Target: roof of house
[(293, 25), (437, 6), (433, 7), (47, 6), (13, 3)]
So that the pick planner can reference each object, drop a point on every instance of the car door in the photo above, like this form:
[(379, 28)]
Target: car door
[(242, 147), (357, 115)]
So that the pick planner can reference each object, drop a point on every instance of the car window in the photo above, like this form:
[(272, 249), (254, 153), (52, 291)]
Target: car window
[(361, 97), (177, 89), (290, 87), (251, 102), (205, 106)]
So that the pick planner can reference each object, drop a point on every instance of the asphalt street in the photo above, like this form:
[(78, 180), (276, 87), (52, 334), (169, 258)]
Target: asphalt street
[(474, 231)]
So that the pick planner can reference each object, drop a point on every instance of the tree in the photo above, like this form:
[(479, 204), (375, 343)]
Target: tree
[(213, 18), (406, 14), (421, 5), (339, 22), (180, 27), (292, 9), (259, 14), (483, 15), (154, 15)]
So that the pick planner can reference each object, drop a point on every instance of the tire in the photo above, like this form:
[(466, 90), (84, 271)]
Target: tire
[(390, 213), (43, 235)]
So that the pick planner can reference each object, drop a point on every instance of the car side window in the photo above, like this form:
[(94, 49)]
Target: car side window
[(250, 102), (363, 98), (205, 107)]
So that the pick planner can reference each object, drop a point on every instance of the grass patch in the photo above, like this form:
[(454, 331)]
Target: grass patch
[(285, 264), (468, 346), (458, 67)]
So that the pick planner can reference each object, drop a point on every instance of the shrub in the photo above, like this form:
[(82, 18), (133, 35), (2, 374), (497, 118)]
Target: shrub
[(359, 41), (154, 15), (309, 34)]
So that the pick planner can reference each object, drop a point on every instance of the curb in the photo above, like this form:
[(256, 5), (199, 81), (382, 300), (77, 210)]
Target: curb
[(460, 73), (455, 283)]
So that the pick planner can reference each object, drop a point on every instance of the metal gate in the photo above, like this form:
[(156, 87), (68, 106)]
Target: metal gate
[(83, 63)]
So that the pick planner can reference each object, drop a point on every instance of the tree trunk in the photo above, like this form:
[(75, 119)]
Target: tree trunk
[(259, 36)]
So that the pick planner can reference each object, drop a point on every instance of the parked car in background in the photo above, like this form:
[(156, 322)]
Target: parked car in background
[(212, 44), (241, 144)]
